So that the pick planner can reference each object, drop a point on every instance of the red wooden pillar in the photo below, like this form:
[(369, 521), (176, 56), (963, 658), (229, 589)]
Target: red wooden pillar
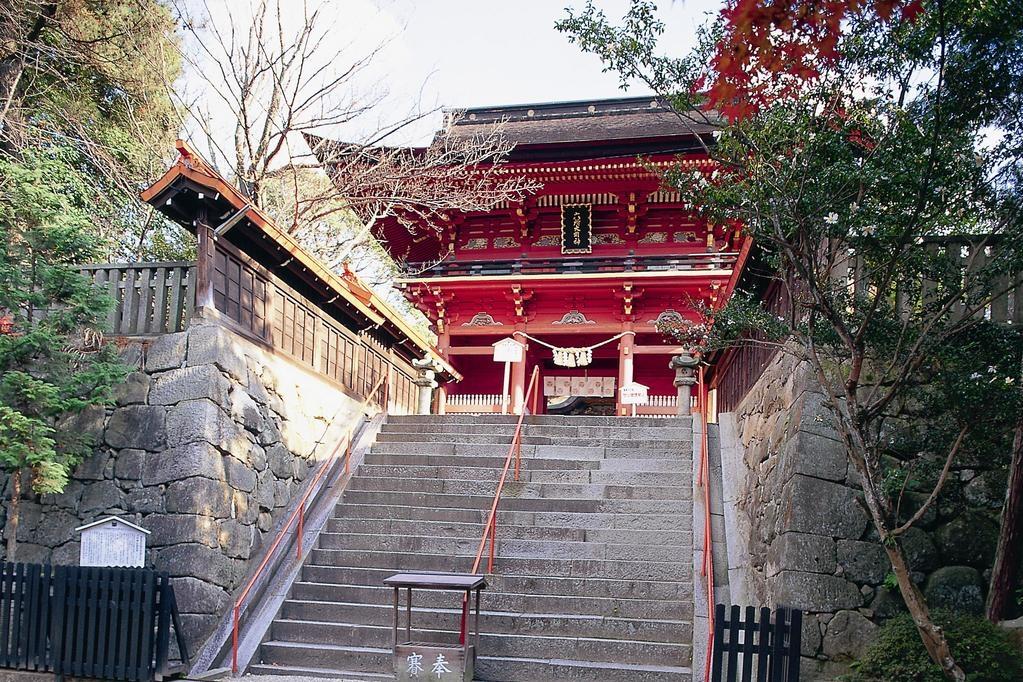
[(625, 370), (205, 268)]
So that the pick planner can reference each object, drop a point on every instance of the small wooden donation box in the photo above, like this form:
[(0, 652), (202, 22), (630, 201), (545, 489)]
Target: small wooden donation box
[(430, 661)]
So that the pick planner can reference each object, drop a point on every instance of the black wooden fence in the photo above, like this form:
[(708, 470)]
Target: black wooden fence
[(769, 650), (106, 623)]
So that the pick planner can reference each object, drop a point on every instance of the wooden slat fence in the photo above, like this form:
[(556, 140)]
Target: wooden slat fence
[(150, 298), (962, 259), (756, 646), (104, 623)]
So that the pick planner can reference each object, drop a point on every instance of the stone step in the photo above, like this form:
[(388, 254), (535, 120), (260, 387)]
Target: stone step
[(670, 567), (510, 502), (552, 420), (556, 489), (446, 447), (450, 529), (453, 466), (326, 656), (260, 672), (588, 520), (663, 601), (352, 510), (509, 669), (505, 547), (447, 618), (613, 471), (560, 432), (320, 634), (541, 585), (623, 443), (475, 530), (662, 478), (497, 669), (576, 453)]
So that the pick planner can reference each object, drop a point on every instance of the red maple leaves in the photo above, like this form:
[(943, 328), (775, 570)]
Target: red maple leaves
[(772, 47)]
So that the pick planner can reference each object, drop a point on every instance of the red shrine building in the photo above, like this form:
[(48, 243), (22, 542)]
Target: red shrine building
[(581, 271)]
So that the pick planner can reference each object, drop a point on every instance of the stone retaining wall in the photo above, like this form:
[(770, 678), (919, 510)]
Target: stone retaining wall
[(810, 543), (205, 447)]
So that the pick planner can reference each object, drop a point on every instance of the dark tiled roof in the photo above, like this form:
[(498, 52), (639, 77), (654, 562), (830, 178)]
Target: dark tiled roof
[(604, 120)]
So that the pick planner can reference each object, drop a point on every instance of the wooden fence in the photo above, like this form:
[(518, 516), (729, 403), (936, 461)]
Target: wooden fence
[(159, 298), (104, 623), (961, 261), (751, 648), (150, 298), (472, 403), (737, 369), (264, 308)]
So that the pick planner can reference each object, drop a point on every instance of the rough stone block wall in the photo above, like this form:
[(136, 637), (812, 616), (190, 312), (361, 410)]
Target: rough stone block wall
[(208, 442), (811, 544)]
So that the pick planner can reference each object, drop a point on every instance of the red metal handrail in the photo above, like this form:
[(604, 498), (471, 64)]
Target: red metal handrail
[(531, 398), (298, 516), (515, 449), (707, 569)]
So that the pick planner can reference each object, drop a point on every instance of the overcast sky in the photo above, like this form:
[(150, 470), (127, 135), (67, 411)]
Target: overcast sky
[(465, 53)]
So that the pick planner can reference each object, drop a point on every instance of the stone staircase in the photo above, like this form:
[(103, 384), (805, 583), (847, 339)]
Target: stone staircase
[(593, 577)]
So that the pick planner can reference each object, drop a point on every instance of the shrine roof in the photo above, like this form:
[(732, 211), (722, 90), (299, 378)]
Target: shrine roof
[(583, 121)]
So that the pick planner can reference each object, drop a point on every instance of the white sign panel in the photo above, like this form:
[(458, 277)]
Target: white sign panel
[(508, 350), (634, 394), (113, 542)]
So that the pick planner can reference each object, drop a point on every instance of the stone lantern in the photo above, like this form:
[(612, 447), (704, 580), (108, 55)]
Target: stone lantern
[(685, 378), (426, 381)]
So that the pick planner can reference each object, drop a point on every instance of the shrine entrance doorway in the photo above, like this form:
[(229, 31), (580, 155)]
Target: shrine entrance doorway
[(571, 382)]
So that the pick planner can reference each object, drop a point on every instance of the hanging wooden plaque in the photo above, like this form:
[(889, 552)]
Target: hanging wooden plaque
[(576, 228)]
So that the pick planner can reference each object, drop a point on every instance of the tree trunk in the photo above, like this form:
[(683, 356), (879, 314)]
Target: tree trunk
[(12, 514), (12, 67), (1005, 574), (931, 634)]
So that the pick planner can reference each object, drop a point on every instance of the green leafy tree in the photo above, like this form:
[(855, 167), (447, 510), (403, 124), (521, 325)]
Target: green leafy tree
[(90, 79), (877, 169), (53, 362)]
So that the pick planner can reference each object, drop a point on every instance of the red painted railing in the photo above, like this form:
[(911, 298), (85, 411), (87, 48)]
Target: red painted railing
[(531, 399), (515, 450), (707, 569), (297, 519)]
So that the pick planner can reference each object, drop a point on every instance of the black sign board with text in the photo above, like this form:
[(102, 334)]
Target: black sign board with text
[(576, 228)]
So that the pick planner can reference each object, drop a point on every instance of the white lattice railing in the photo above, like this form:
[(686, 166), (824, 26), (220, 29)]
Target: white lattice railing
[(473, 403), (659, 405)]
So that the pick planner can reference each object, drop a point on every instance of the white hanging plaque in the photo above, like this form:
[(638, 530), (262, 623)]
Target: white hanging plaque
[(113, 542)]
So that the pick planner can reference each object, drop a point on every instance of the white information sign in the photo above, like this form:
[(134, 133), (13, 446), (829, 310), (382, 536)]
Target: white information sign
[(113, 542), (508, 350), (634, 394)]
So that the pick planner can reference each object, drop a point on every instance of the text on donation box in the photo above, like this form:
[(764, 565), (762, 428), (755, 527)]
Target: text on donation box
[(434, 663), (113, 544)]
